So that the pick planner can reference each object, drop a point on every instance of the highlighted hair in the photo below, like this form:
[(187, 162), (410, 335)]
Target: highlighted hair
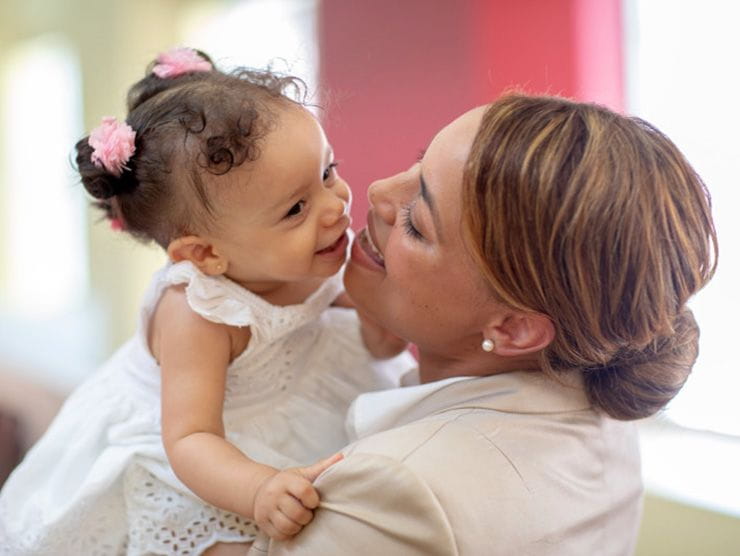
[(597, 221)]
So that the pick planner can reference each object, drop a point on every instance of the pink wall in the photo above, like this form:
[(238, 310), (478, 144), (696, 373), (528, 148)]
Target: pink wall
[(393, 72)]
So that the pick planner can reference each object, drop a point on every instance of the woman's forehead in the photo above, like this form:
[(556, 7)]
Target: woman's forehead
[(445, 158), (456, 138)]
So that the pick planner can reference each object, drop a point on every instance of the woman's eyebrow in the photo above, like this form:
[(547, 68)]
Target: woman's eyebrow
[(426, 196)]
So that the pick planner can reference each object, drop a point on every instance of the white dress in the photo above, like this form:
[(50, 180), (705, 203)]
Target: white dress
[(98, 482)]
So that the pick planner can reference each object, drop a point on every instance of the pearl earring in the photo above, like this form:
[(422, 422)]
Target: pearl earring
[(487, 345)]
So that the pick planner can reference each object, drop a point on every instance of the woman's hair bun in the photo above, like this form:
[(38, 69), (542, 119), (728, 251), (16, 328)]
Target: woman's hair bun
[(638, 384), (542, 185)]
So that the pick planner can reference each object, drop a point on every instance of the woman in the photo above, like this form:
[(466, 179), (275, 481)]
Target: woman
[(540, 256)]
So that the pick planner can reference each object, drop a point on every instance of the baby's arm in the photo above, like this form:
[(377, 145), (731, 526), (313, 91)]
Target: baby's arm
[(194, 354), (381, 343)]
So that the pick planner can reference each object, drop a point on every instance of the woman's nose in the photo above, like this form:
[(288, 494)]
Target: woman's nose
[(381, 195)]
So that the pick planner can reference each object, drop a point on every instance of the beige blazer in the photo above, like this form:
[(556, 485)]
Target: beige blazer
[(511, 464)]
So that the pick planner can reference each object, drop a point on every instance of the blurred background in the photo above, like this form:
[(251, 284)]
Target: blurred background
[(385, 75)]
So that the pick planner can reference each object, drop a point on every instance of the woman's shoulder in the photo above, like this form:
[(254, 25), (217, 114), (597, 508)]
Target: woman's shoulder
[(462, 436), (520, 478), (454, 433)]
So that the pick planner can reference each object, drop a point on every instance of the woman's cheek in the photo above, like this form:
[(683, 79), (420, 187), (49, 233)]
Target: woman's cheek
[(399, 266), (408, 281)]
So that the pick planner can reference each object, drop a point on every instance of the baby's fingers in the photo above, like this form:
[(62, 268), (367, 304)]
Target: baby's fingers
[(281, 527), (313, 471), (294, 510), (304, 492)]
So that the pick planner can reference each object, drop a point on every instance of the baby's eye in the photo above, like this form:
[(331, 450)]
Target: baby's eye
[(329, 170), (296, 209)]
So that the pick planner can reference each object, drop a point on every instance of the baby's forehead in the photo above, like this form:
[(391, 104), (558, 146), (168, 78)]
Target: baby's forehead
[(289, 116), (294, 148), (284, 147), (295, 132)]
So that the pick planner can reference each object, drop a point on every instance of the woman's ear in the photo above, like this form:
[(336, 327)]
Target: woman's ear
[(519, 333), (198, 251)]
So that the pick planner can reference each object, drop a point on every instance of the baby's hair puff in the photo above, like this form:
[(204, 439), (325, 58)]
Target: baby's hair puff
[(188, 120)]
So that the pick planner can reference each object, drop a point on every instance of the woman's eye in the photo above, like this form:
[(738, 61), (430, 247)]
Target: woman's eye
[(408, 224), (329, 170), (296, 209)]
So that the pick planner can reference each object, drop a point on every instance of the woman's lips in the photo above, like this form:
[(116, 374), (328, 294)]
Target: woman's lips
[(366, 251)]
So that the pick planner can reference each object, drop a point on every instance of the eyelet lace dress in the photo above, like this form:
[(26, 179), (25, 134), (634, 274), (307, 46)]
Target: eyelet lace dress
[(99, 483)]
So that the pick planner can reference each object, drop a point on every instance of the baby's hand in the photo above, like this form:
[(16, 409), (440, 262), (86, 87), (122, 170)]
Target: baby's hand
[(285, 501)]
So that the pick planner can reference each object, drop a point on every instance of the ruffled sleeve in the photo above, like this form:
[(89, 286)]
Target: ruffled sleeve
[(215, 298), (219, 299)]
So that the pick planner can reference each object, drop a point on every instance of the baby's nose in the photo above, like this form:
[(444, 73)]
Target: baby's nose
[(336, 208)]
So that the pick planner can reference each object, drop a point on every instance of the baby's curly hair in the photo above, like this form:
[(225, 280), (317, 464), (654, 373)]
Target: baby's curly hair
[(195, 124)]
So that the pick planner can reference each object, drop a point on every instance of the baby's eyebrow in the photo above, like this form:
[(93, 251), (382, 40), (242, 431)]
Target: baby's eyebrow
[(284, 202)]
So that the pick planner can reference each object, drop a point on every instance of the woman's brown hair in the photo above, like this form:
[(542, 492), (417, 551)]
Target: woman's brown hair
[(597, 221)]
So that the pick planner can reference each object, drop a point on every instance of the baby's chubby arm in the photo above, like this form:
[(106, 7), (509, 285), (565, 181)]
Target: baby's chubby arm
[(381, 343), (194, 354)]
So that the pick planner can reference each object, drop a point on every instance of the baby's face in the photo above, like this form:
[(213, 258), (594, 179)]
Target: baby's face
[(284, 217)]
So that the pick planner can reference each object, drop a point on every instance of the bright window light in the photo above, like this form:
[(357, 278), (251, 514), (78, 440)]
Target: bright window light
[(49, 328), (257, 33), (45, 267), (682, 77)]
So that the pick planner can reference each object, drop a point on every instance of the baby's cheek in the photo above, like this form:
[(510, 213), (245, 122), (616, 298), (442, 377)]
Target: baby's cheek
[(346, 193)]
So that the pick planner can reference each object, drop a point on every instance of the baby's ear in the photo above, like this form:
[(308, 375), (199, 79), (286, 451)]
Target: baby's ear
[(198, 251)]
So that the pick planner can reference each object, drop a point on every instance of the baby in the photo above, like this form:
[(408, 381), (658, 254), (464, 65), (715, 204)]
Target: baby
[(217, 416)]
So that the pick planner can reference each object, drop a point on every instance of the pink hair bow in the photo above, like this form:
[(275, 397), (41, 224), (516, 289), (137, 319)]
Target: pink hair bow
[(113, 145), (117, 225), (179, 61)]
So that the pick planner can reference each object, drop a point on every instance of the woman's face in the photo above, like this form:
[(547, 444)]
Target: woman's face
[(409, 268)]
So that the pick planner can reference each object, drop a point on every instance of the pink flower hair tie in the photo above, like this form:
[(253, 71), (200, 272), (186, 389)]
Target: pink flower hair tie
[(179, 61), (113, 145)]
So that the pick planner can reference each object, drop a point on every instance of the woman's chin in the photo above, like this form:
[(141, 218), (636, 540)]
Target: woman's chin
[(363, 286), (356, 281)]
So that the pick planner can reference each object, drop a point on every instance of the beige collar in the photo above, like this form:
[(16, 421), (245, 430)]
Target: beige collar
[(514, 392)]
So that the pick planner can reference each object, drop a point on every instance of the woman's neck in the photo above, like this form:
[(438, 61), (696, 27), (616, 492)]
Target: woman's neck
[(433, 366)]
